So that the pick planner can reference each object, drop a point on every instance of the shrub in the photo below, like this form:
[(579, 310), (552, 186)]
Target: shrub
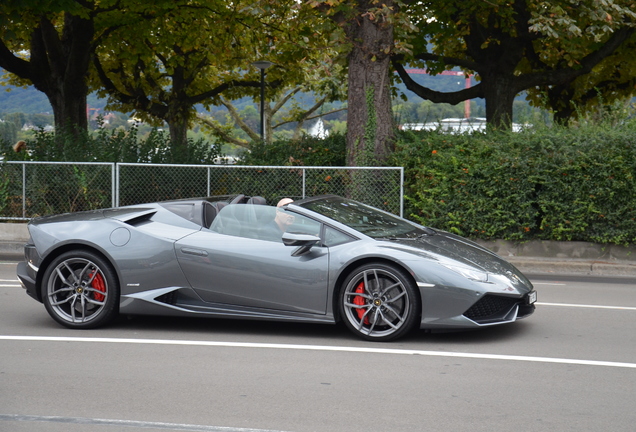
[(552, 184), (112, 146), (308, 151)]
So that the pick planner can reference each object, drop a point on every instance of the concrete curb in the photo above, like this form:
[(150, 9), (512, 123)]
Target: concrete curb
[(11, 251), (534, 265), (13, 236), (536, 257), (567, 258)]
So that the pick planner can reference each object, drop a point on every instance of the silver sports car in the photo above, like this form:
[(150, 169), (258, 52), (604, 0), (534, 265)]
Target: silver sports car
[(323, 260)]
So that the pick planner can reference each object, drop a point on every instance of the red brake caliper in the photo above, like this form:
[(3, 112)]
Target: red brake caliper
[(360, 301), (99, 285)]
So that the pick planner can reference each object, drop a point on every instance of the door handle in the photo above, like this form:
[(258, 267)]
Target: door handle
[(197, 252)]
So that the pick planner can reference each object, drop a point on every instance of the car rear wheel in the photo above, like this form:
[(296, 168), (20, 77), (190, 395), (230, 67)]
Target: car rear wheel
[(379, 302), (80, 290)]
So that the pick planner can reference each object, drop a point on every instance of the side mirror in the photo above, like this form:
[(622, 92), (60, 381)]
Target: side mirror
[(304, 242)]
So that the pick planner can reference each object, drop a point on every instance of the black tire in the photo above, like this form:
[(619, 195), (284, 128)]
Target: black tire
[(379, 302), (80, 290)]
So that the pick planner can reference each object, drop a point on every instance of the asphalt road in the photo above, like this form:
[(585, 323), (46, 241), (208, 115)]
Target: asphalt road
[(570, 366)]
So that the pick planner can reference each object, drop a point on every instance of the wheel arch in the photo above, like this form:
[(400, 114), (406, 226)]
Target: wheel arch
[(360, 262), (66, 248)]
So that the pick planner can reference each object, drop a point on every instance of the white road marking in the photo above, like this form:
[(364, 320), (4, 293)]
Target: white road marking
[(549, 283), (126, 423), (367, 350), (586, 306)]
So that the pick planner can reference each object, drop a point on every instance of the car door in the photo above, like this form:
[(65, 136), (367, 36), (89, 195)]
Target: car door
[(250, 272)]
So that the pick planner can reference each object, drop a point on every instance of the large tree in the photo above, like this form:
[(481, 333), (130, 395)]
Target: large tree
[(200, 51), (49, 45), (513, 45)]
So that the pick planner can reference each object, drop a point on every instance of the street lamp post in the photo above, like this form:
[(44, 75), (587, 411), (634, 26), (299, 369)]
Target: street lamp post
[(262, 65)]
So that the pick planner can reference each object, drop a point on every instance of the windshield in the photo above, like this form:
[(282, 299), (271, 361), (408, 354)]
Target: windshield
[(363, 218)]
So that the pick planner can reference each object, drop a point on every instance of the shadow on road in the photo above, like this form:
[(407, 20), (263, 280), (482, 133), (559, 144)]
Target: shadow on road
[(226, 329)]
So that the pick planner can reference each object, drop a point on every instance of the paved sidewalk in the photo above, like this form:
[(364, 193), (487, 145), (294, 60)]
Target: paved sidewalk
[(537, 257)]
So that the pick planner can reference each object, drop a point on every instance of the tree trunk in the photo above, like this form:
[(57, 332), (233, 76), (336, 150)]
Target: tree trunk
[(178, 114), (58, 67), (69, 106), (499, 93), (370, 131), (178, 126)]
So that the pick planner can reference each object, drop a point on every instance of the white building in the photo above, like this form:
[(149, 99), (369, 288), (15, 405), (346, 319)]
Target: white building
[(456, 125)]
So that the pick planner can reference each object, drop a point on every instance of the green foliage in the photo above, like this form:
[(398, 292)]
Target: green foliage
[(8, 132), (307, 151), (113, 146), (548, 184)]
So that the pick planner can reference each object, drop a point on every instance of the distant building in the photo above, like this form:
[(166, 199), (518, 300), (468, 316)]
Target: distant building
[(46, 128), (456, 125)]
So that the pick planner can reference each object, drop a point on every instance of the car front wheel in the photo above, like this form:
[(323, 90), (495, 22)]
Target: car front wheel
[(80, 290), (379, 302)]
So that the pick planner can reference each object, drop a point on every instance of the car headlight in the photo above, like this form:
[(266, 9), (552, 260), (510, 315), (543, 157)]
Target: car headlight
[(468, 272)]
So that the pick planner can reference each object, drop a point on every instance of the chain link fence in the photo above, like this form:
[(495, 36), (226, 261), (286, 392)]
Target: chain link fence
[(31, 189)]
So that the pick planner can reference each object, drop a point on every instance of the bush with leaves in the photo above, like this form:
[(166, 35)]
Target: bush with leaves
[(307, 151), (546, 183), (112, 146)]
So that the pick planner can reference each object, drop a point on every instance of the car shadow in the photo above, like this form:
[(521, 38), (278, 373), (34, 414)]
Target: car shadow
[(197, 328), (497, 333), (226, 327)]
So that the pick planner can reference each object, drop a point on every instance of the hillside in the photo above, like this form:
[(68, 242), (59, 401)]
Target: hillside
[(31, 101)]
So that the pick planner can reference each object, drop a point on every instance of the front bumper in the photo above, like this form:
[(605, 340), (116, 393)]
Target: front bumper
[(492, 309), (27, 280), (499, 309)]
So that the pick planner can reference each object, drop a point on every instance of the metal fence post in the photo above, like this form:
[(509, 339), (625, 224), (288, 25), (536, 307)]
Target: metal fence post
[(23, 190), (401, 192), (117, 183), (112, 184)]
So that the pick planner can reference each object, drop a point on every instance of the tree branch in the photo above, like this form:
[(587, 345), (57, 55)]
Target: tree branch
[(563, 75), (14, 64), (237, 118), (222, 133), (452, 98)]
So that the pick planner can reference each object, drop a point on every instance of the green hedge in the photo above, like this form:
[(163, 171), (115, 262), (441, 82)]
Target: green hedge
[(552, 184)]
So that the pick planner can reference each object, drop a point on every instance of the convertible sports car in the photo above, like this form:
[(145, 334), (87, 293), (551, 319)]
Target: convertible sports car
[(324, 259)]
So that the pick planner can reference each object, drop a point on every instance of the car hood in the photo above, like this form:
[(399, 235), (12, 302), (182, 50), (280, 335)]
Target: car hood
[(443, 245)]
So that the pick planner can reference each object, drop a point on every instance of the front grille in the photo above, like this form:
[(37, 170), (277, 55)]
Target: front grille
[(491, 308)]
